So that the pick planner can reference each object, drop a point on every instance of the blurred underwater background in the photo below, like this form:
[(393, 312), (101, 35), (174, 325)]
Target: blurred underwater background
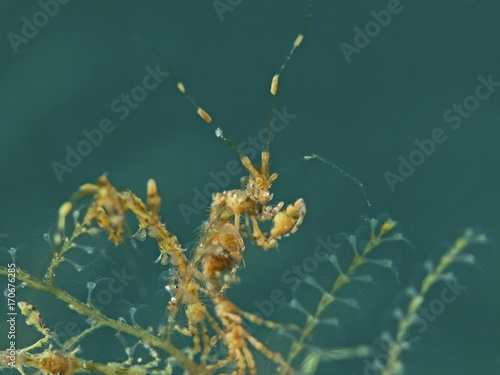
[(367, 112)]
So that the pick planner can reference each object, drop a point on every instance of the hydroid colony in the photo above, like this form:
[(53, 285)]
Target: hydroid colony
[(218, 340)]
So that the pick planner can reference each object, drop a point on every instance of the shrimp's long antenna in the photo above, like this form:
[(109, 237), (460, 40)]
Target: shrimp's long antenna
[(335, 166), (274, 83), (199, 110)]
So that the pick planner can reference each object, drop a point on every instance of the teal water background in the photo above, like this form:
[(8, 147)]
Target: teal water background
[(361, 115)]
